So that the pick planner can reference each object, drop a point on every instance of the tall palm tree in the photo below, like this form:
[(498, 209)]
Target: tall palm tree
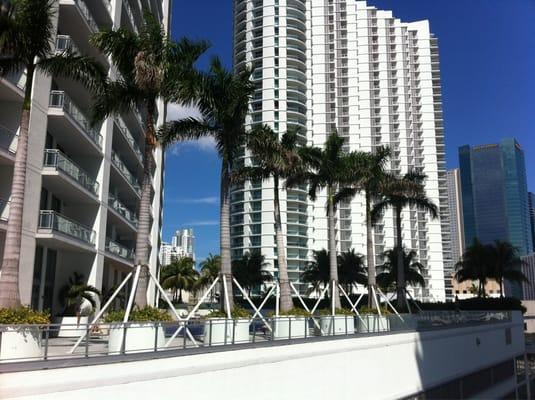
[(368, 177), (388, 275), (250, 271), (317, 272), (26, 37), (475, 265), (506, 264), (328, 168), (351, 269), (151, 67), (223, 100), (275, 159), (398, 193), (210, 270), (179, 275)]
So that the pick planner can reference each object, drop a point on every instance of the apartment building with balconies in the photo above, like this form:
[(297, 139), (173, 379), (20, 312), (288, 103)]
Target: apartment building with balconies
[(83, 181), (323, 65)]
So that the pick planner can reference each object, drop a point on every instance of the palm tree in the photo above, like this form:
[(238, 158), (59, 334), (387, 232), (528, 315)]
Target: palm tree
[(398, 193), (507, 264), (351, 269), (250, 271), (151, 67), (179, 275), (328, 168), (475, 265), (368, 177), (388, 275), (73, 294), (317, 272), (210, 270), (223, 100), (275, 159), (26, 37)]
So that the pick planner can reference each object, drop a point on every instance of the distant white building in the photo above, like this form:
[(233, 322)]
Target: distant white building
[(182, 245)]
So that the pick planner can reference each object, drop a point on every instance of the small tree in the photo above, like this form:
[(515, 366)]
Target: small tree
[(388, 271), (250, 271), (351, 269), (73, 295), (178, 276), (475, 265)]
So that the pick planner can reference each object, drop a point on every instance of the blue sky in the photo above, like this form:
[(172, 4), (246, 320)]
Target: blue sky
[(487, 60)]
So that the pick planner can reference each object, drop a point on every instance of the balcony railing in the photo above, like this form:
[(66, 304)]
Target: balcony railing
[(8, 139), (4, 209), (64, 43), (128, 136), (59, 99), (52, 220), (18, 79), (56, 159), (116, 204), (119, 249), (87, 14), (116, 160)]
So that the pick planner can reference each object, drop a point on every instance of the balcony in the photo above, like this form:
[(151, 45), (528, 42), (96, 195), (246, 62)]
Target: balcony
[(60, 232), (14, 84), (65, 116), (125, 173), (8, 145), (64, 43), (119, 252), (122, 212), (62, 175), (129, 140), (4, 213)]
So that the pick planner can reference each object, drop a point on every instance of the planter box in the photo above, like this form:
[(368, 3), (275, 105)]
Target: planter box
[(70, 327), (139, 337), (409, 323), (219, 331), (20, 344), (289, 327), (337, 325), (374, 323)]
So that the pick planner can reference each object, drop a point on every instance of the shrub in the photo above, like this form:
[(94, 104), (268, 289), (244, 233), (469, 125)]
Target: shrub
[(22, 316), (372, 310), (337, 311), (145, 314), (293, 312), (238, 312)]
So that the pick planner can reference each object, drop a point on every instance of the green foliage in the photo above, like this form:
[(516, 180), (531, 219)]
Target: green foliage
[(293, 312), (337, 311), (179, 275), (145, 314), (249, 270), (23, 316), (73, 294), (388, 272), (237, 312), (372, 310)]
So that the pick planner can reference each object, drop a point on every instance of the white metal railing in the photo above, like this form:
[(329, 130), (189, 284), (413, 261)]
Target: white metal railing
[(4, 209), (59, 99), (119, 249), (64, 43), (82, 7), (129, 138), (116, 160), (49, 219), (56, 159), (118, 206), (8, 139)]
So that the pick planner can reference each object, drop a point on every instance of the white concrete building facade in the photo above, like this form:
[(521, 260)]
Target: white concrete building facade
[(340, 64), (83, 182)]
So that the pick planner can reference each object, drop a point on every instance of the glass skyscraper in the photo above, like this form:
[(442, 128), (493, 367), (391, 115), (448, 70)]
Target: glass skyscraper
[(495, 195)]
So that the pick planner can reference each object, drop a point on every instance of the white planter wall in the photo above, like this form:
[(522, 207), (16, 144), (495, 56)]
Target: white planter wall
[(289, 327), (139, 337), (337, 325), (70, 327), (18, 344), (218, 331), (373, 323)]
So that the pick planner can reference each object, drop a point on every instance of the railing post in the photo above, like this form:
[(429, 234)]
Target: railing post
[(210, 336), (123, 343), (47, 335), (156, 337), (289, 328), (306, 326), (87, 341), (234, 331), (184, 335), (226, 322)]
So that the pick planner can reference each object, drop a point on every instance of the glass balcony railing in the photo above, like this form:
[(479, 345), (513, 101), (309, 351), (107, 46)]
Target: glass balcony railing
[(59, 99), (64, 43), (128, 136), (8, 139), (116, 160), (52, 220), (82, 7), (116, 204), (56, 159), (119, 250), (4, 209)]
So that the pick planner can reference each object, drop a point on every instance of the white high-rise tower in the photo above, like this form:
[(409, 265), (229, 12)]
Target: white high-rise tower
[(339, 64)]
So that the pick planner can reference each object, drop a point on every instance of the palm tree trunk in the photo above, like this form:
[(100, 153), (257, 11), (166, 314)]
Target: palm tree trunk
[(144, 217), (224, 233), (286, 303), (370, 259), (9, 274), (333, 264), (401, 299)]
